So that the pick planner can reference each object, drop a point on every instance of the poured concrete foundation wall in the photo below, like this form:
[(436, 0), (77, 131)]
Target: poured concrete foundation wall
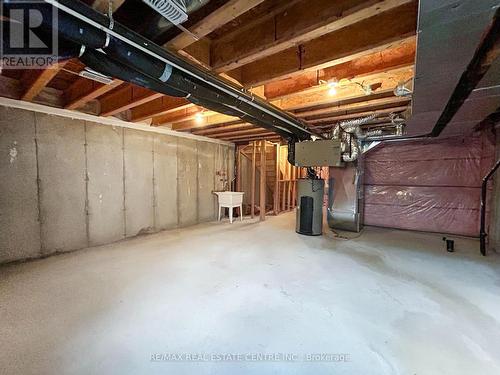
[(67, 184)]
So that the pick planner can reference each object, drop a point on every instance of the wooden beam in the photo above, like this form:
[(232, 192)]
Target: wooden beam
[(383, 84), (375, 34), (379, 114), (206, 121), (223, 129), (186, 114), (13, 88), (380, 62), (127, 97), (236, 133), (362, 106), (263, 175), (84, 90), (213, 21), (198, 52), (326, 121), (299, 23), (159, 107), (349, 91), (323, 107), (261, 135), (35, 82)]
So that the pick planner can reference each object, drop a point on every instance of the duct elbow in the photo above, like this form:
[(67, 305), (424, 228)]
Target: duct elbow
[(353, 155)]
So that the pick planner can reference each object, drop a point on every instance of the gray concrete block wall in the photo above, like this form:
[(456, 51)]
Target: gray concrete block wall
[(62, 186), (97, 184), (19, 226)]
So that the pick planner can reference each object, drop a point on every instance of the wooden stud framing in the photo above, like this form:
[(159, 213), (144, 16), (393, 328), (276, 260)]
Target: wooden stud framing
[(36, 82), (263, 175), (277, 181), (238, 168), (252, 191)]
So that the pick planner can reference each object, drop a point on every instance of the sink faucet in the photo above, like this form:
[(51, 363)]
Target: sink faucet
[(227, 184)]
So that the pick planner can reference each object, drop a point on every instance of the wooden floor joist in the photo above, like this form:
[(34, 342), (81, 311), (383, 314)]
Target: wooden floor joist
[(372, 105), (383, 113), (283, 51), (211, 131), (350, 91), (159, 107), (376, 34), (297, 24), (35, 81), (125, 98), (373, 64), (213, 21), (85, 90)]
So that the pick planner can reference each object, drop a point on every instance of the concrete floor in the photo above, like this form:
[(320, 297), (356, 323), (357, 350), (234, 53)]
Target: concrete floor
[(393, 302)]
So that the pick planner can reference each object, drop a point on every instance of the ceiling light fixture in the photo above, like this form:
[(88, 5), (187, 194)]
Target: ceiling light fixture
[(198, 117), (367, 89), (334, 82)]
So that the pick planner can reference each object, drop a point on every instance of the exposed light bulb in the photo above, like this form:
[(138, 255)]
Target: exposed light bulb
[(332, 91), (198, 117), (333, 83)]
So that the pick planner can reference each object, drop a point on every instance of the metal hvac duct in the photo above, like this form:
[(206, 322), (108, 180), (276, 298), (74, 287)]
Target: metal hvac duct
[(148, 22)]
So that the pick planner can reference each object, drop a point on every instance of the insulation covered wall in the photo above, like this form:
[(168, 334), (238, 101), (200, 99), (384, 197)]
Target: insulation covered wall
[(430, 185), (66, 184)]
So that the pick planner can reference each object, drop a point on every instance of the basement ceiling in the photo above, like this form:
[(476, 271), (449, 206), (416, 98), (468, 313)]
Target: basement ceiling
[(448, 36), (295, 58)]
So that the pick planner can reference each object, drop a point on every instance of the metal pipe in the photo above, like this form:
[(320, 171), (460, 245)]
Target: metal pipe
[(98, 21), (484, 190)]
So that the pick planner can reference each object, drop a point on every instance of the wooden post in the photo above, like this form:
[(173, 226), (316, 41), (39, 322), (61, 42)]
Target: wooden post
[(294, 189), (283, 195), (238, 168), (252, 194), (277, 183), (263, 180)]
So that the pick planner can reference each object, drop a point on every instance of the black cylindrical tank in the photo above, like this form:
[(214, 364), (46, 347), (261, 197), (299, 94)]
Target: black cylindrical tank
[(310, 206)]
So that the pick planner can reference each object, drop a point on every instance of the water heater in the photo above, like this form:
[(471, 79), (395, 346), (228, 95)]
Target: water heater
[(310, 206)]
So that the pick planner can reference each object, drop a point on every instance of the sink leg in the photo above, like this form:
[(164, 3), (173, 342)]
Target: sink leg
[(231, 215), (241, 213), (220, 208)]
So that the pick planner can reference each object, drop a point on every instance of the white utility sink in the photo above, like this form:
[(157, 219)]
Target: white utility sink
[(230, 199)]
